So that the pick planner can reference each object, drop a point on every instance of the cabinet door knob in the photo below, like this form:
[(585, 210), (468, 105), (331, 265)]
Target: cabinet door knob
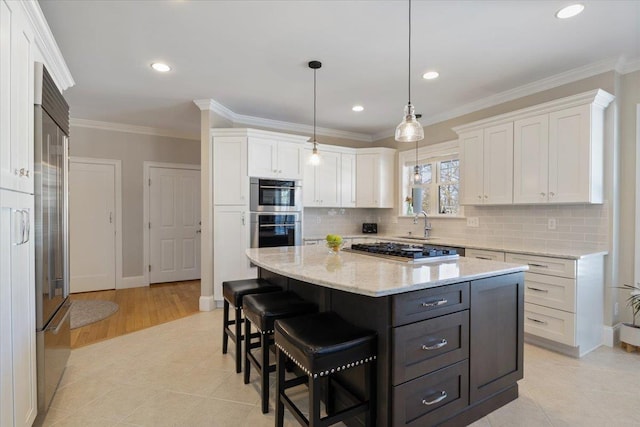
[(486, 197), (551, 193), (27, 174), (479, 196), (542, 194)]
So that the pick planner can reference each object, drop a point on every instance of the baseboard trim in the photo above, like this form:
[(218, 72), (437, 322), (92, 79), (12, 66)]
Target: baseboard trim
[(611, 335), (207, 303), (219, 303), (133, 282)]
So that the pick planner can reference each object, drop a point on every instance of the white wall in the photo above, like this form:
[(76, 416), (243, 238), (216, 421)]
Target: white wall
[(132, 149)]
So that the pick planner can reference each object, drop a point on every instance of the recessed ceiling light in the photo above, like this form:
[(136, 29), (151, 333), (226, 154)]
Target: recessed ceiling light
[(569, 11), (430, 75), (357, 108), (159, 66)]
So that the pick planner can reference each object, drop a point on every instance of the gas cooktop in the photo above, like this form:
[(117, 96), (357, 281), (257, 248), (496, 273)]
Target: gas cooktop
[(404, 252)]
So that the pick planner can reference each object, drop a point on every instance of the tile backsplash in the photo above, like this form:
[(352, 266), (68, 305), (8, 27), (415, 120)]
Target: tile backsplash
[(576, 226)]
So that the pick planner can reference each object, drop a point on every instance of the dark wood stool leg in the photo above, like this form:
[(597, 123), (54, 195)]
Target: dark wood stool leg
[(247, 349), (264, 372), (328, 395), (238, 339), (225, 325), (371, 388), (315, 390), (280, 370)]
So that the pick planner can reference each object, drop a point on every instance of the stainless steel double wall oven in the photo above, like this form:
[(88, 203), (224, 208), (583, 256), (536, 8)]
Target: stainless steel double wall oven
[(276, 212)]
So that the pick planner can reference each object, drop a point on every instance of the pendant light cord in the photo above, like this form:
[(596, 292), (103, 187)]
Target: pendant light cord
[(409, 71), (314, 107)]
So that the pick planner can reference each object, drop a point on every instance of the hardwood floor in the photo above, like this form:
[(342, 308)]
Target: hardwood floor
[(140, 308)]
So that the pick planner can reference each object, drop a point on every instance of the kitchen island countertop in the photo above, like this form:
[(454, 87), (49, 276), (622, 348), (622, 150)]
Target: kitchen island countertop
[(369, 275)]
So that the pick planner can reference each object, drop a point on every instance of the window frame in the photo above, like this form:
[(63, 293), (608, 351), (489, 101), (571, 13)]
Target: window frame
[(429, 154)]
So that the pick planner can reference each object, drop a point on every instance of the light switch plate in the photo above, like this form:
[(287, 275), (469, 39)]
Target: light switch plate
[(552, 224)]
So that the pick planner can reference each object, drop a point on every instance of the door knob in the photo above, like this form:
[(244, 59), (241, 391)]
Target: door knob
[(198, 231)]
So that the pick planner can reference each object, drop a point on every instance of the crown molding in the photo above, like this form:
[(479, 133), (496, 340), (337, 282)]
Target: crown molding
[(258, 133), (45, 41), (121, 127), (216, 107), (630, 66), (590, 70)]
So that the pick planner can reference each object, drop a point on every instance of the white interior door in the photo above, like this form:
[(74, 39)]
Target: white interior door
[(92, 226), (174, 231)]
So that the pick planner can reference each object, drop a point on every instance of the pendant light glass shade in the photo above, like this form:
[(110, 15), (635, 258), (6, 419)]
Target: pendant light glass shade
[(315, 156), (410, 129)]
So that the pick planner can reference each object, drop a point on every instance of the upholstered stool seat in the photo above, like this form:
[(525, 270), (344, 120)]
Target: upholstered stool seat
[(324, 344), (233, 292), (261, 311)]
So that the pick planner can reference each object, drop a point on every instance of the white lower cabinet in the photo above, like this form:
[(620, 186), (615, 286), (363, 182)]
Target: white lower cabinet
[(230, 241), (563, 302), (18, 403), (484, 254)]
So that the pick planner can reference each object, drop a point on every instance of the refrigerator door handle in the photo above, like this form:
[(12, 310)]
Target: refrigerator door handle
[(55, 326)]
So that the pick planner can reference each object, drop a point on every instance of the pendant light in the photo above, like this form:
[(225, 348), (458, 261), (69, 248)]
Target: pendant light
[(315, 156), (417, 176), (409, 130)]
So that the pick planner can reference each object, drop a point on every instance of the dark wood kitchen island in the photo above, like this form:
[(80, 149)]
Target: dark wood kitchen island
[(450, 333)]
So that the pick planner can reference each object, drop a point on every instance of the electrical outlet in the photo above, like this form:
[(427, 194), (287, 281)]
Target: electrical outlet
[(616, 309), (552, 224), (473, 221), (318, 219)]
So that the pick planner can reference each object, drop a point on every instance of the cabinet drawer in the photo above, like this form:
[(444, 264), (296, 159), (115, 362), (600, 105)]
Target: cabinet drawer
[(550, 291), (429, 345), (545, 265), (555, 325), (429, 303), (482, 254), (432, 398)]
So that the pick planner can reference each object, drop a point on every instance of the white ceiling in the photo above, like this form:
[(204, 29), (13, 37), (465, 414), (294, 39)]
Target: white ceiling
[(251, 56)]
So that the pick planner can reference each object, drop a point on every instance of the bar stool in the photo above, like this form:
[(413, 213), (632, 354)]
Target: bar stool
[(262, 310), (321, 345), (233, 291)]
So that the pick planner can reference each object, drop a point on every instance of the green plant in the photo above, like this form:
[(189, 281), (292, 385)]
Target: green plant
[(633, 301)]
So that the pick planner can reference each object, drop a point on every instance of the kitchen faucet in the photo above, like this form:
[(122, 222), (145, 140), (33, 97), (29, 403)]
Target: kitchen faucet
[(427, 225)]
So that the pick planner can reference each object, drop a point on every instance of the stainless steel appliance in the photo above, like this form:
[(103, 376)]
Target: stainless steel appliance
[(53, 344), (275, 195), (405, 253), (270, 229)]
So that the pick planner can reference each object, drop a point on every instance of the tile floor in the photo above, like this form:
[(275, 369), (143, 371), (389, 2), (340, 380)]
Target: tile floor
[(175, 375)]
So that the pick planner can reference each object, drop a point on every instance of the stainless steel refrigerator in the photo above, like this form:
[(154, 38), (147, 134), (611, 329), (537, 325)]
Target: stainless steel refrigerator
[(53, 343)]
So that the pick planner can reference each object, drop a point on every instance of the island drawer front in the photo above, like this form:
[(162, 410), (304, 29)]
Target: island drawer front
[(432, 398), (429, 303), (555, 325), (550, 291), (429, 345), (545, 265)]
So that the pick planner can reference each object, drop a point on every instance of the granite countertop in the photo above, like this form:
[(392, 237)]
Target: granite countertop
[(469, 244), (370, 275)]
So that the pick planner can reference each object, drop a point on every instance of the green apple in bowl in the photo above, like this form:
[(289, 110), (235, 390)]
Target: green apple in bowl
[(334, 242)]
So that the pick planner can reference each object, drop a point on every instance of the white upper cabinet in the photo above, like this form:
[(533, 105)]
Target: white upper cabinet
[(274, 158), (530, 160), (375, 178), (575, 155), (321, 185), (348, 180), (556, 154), (16, 98), (230, 180), (487, 165)]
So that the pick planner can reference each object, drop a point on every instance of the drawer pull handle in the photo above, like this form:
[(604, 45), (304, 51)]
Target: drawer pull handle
[(538, 265), (483, 257), (435, 303), (435, 346), (536, 320), (440, 398), (538, 289)]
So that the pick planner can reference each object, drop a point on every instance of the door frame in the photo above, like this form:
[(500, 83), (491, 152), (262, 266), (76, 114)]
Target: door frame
[(117, 164), (147, 165)]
